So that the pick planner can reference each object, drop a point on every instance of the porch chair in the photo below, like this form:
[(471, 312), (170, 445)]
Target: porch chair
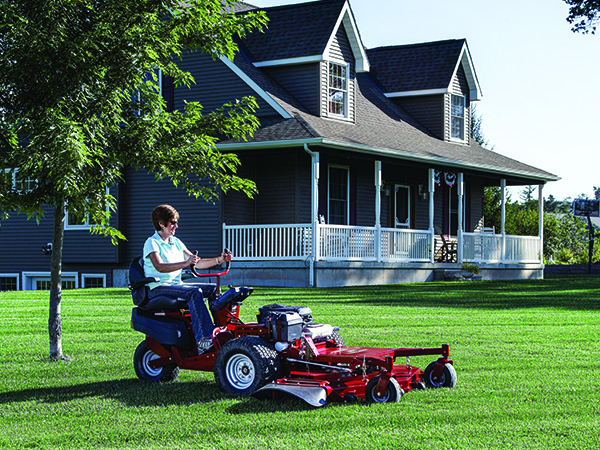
[(447, 252)]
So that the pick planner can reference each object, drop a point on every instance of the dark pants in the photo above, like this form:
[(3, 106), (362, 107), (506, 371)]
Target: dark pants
[(194, 295)]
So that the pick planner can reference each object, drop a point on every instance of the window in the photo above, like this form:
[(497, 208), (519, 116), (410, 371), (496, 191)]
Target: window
[(9, 283), (93, 281), (339, 193), (338, 89), (19, 183), (457, 117), (79, 222), (402, 206), (40, 281)]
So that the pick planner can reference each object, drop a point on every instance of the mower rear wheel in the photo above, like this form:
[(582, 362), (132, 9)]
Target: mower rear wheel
[(141, 362), (393, 393), (245, 364), (447, 379)]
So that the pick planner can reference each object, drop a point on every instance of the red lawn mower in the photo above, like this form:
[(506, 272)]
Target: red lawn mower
[(283, 353)]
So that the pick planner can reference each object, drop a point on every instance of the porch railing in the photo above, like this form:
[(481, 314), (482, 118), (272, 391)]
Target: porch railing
[(482, 247), (349, 243)]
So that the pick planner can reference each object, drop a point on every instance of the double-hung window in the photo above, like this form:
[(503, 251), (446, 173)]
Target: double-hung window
[(338, 89), (457, 117)]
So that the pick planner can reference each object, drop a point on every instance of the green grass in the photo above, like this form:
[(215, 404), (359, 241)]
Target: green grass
[(526, 354)]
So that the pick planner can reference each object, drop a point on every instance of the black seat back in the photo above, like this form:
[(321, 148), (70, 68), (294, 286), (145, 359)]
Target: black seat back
[(138, 282)]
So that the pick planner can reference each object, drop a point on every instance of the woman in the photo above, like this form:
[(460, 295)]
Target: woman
[(164, 257)]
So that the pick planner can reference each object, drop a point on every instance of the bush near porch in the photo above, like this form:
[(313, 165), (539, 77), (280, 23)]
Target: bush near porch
[(525, 353)]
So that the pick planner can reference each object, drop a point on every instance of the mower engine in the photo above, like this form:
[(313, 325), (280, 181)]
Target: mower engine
[(290, 323)]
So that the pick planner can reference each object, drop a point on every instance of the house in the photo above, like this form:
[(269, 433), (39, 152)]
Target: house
[(364, 162)]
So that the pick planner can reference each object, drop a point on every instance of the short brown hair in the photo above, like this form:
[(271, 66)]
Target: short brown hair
[(163, 214)]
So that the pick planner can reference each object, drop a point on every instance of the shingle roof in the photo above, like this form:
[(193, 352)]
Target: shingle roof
[(381, 126), (415, 67), (295, 31)]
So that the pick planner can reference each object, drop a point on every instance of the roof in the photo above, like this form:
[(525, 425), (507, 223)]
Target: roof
[(381, 127), (418, 68), (295, 31)]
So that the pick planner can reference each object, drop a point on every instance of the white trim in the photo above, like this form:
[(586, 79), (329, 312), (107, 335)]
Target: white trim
[(28, 277), (290, 61), (85, 276), (345, 91), (417, 93), (358, 49), (12, 275), (465, 59), (255, 87)]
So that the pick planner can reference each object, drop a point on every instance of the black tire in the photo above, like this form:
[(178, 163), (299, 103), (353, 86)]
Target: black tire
[(142, 356), (245, 364), (447, 379), (393, 392)]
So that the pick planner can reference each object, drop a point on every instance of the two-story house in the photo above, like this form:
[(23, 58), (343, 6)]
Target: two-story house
[(364, 162)]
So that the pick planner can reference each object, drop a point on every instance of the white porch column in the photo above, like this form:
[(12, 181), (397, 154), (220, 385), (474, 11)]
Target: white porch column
[(503, 217), (541, 221), (314, 211), (378, 182), (431, 190), (460, 186)]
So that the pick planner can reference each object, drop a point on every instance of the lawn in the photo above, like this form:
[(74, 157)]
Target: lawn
[(526, 354)]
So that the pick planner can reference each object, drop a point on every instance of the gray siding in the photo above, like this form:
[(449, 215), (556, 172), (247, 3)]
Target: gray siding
[(283, 179), (200, 224), (427, 109), (216, 84), (302, 81)]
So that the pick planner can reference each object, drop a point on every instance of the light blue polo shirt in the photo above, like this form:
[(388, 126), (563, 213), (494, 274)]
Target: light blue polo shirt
[(169, 252)]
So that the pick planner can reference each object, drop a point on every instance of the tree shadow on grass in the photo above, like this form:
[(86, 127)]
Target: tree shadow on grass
[(137, 393), (129, 391)]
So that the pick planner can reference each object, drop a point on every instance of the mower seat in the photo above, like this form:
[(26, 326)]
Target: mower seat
[(138, 284)]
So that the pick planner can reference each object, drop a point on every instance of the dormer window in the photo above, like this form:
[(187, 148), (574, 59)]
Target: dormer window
[(338, 89), (457, 117)]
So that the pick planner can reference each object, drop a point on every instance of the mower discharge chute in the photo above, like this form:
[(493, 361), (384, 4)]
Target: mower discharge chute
[(283, 353)]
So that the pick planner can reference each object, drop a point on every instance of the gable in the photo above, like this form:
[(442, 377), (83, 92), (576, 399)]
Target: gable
[(305, 33), (423, 69)]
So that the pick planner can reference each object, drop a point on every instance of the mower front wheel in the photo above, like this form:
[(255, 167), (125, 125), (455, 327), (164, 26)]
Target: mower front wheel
[(245, 364), (446, 379), (393, 393), (141, 362)]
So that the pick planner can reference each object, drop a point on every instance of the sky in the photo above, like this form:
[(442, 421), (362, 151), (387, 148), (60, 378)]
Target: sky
[(541, 95)]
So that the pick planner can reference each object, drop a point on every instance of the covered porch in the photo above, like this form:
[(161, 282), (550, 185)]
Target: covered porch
[(321, 254)]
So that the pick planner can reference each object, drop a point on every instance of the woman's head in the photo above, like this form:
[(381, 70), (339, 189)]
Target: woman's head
[(163, 214)]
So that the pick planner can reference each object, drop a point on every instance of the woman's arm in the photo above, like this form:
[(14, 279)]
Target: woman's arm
[(163, 267)]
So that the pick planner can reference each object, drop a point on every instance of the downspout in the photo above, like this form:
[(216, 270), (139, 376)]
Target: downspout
[(314, 211)]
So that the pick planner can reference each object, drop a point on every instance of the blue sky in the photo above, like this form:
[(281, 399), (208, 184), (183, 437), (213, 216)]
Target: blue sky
[(539, 79)]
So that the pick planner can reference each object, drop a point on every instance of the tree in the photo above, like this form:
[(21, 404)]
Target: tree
[(80, 101), (583, 15)]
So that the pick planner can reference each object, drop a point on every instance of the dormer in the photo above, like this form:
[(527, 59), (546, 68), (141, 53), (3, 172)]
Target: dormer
[(313, 50), (435, 82)]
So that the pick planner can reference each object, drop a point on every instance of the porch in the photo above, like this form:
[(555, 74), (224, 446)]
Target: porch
[(336, 255), (366, 225)]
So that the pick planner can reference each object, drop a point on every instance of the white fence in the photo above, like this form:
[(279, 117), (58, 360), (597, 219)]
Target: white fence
[(348, 243)]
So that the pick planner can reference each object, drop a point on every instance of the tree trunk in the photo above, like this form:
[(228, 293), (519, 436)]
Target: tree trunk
[(54, 317)]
